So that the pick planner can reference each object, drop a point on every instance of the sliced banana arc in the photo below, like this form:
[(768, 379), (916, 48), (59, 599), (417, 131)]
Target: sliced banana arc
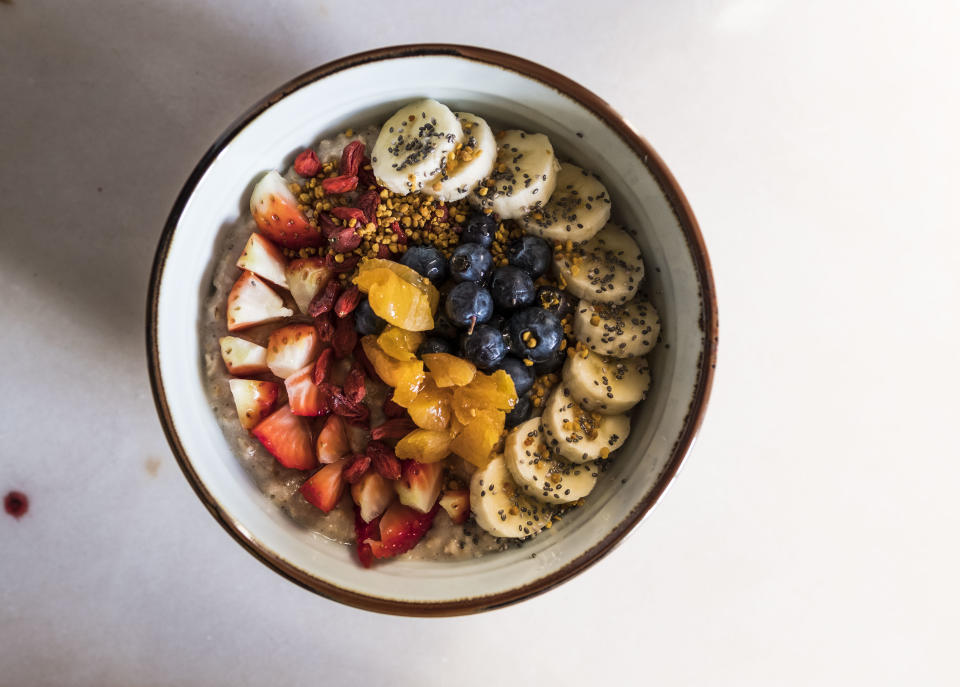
[(539, 474), (619, 331), (580, 435), (469, 163), (413, 145), (606, 385), (578, 208), (499, 506), (606, 269), (523, 177)]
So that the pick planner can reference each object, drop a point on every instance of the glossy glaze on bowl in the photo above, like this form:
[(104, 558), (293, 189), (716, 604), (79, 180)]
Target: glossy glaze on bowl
[(364, 89)]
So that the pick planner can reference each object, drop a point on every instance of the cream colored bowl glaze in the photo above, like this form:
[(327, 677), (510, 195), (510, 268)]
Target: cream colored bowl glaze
[(365, 89)]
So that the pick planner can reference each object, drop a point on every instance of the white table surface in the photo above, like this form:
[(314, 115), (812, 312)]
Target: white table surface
[(811, 537)]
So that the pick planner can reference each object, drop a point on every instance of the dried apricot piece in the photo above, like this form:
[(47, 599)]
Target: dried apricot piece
[(449, 370), (399, 343), (401, 304), (424, 446), (406, 273), (387, 368), (431, 408), (476, 440), (409, 382)]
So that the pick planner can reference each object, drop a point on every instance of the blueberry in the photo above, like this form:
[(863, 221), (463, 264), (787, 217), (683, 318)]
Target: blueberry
[(434, 344), (551, 364), (520, 373), (535, 334), (555, 300), (520, 412), (531, 254), (512, 288), (470, 262), (469, 304), (443, 328), (366, 321), (484, 347), (480, 229), (428, 261)]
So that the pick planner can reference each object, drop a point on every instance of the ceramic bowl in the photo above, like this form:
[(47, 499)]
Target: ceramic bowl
[(363, 89)]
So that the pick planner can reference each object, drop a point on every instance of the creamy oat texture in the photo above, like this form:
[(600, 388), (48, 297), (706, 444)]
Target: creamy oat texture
[(444, 541)]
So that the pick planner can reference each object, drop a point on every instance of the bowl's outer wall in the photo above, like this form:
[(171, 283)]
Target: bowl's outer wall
[(707, 326)]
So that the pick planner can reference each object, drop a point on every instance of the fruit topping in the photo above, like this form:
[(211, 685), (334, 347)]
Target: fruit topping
[(535, 334), (252, 302), (520, 374), (372, 494), (367, 321), (469, 304), (480, 229), (290, 348), (243, 357), (305, 397), (254, 400), (531, 254), (325, 487), (512, 288), (332, 443), (484, 347), (470, 262), (264, 259), (427, 261), (287, 437), (399, 343), (419, 485), (424, 445), (401, 528), (274, 209), (456, 502)]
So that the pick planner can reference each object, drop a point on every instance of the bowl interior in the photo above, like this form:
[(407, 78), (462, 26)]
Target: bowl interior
[(367, 92)]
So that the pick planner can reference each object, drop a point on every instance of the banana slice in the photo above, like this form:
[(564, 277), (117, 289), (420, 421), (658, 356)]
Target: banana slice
[(413, 145), (468, 164), (606, 385), (523, 178), (606, 269), (498, 506), (578, 208), (619, 331), (578, 435), (539, 474)]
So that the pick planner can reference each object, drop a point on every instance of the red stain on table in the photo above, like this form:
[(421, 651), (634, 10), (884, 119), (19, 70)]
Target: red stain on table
[(16, 503)]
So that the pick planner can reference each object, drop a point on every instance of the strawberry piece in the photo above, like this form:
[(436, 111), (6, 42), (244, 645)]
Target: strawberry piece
[(325, 487), (264, 259), (243, 357), (274, 209), (351, 157), (364, 531), (324, 301), (385, 461), (395, 428), (287, 437), (401, 527), (290, 348), (332, 443), (254, 400), (252, 302), (306, 277), (344, 336), (321, 370), (303, 395), (457, 504), (420, 484), (372, 494)]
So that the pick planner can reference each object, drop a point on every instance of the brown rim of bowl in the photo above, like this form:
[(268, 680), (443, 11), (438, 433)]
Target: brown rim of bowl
[(685, 217)]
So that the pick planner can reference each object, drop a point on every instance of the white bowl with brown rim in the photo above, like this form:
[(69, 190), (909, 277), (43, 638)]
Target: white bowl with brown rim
[(364, 89)]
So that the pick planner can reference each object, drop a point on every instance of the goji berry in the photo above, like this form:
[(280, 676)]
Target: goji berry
[(340, 184), (356, 468), (325, 327), (349, 262), (350, 159), (366, 175), (347, 302), (355, 385), (307, 164), (368, 203), (324, 300), (395, 428), (346, 214), (391, 409), (345, 241), (384, 460), (344, 336), (321, 370), (401, 234), (361, 357)]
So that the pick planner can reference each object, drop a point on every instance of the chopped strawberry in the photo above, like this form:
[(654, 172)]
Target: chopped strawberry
[(332, 444), (287, 437), (364, 531), (243, 357), (274, 208), (292, 347), (372, 494), (419, 484), (457, 504), (305, 278), (252, 302), (401, 527), (254, 400), (325, 487), (303, 395), (264, 259)]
